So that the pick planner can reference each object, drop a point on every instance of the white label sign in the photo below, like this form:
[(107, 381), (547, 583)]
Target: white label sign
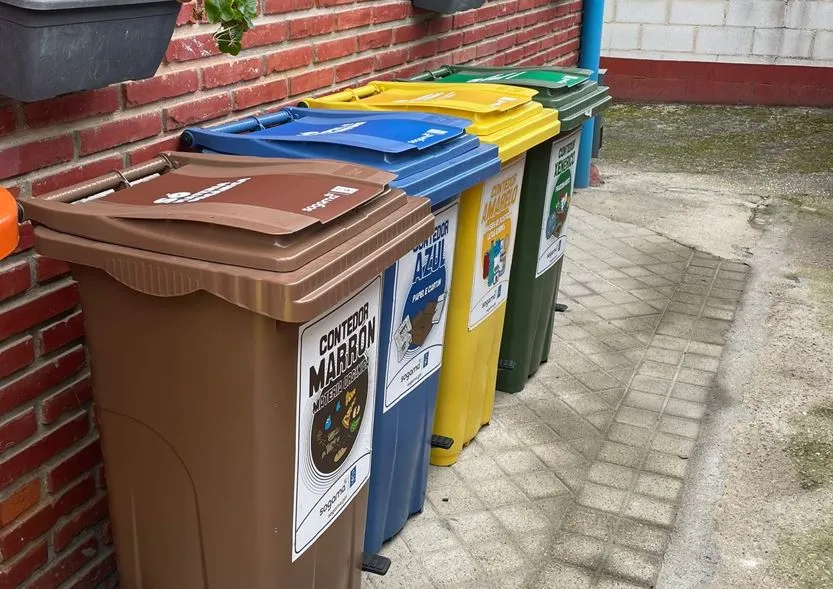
[(557, 202), (420, 308), (337, 365), (496, 232)]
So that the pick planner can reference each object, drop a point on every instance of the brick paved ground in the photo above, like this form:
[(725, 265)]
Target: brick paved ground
[(576, 481)]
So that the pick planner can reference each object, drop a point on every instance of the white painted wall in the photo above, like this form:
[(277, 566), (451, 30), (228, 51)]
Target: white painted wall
[(739, 31)]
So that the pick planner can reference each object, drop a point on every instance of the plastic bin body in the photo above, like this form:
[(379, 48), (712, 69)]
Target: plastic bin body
[(434, 158), (545, 202), (506, 117), (234, 380)]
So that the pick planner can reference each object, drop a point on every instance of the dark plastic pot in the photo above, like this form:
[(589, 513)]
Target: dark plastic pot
[(448, 6), (53, 47)]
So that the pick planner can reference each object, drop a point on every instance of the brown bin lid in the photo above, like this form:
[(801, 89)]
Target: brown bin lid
[(285, 238), (266, 213)]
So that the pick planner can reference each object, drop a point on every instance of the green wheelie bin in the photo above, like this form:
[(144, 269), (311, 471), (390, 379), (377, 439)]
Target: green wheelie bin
[(545, 201)]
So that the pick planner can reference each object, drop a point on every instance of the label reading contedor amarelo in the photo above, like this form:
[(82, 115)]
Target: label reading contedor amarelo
[(559, 195), (422, 282), (337, 366), (496, 231)]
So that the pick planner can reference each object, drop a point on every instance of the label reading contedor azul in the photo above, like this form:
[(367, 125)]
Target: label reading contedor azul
[(496, 231), (337, 365), (423, 280), (559, 195)]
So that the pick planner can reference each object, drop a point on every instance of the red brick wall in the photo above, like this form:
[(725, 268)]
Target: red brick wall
[(53, 513)]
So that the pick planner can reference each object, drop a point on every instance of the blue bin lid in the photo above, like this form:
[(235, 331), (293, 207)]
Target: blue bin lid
[(431, 154)]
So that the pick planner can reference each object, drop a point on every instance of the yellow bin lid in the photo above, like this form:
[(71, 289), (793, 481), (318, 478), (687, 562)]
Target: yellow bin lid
[(503, 115)]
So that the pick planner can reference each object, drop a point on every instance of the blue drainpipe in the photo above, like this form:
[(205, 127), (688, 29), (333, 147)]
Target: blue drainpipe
[(590, 49)]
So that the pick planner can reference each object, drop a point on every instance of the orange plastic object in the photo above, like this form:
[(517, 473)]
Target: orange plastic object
[(9, 235)]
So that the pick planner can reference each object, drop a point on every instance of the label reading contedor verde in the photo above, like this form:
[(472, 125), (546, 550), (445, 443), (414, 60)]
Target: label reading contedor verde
[(559, 195), (496, 229), (337, 365), (423, 279)]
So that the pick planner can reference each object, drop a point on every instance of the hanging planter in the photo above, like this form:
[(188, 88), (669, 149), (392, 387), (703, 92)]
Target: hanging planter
[(448, 6), (52, 47)]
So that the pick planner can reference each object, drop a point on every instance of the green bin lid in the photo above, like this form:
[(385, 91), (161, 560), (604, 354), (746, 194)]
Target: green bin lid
[(570, 91)]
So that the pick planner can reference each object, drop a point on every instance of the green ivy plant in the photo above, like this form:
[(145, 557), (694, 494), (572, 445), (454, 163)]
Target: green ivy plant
[(235, 17)]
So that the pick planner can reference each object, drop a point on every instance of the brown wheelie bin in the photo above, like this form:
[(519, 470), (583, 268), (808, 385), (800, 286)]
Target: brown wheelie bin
[(232, 315)]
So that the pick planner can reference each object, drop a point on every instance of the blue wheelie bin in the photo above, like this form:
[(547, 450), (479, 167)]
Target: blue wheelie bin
[(435, 158)]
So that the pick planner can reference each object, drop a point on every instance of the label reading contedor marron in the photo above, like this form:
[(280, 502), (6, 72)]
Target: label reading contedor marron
[(559, 195), (420, 308), (337, 366), (320, 196)]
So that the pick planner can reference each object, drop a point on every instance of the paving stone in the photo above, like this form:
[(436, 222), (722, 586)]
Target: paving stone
[(621, 342), (657, 370), (570, 429), (636, 271), (702, 271), (610, 360), (646, 294), (640, 418), (571, 332), (641, 400), (620, 454), (698, 377), (498, 492), (651, 510), (540, 484), (535, 434), (689, 298), (690, 392), (679, 427), (495, 438), (601, 420), (602, 497), (657, 354), (596, 381), (620, 297), (601, 286), (632, 564), (521, 518), (558, 454), (611, 583), (535, 544), (603, 329), (712, 350), (614, 395), (559, 575), (589, 447), (645, 323), (648, 384), (502, 399), (585, 404), (622, 375), (636, 534), (514, 415), (552, 410), (705, 262), (497, 556), (575, 364), (591, 345), (442, 477), (594, 301), (616, 312), (579, 550), (425, 536), (449, 567), (518, 461), (574, 290), (639, 309), (611, 475), (699, 362), (667, 464), (476, 469), (474, 527), (684, 308), (659, 486), (654, 281), (670, 444), (453, 500), (686, 409), (708, 336), (582, 317), (719, 303), (715, 313), (589, 522), (404, 573), (629, 434)]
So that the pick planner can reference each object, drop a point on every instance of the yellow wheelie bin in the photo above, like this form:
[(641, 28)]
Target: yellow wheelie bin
[(487, 230)]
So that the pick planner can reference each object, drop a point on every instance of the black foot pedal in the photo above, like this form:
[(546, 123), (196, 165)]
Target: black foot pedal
[(560, 307), (375, 564), (443, 442), (505, 364)]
